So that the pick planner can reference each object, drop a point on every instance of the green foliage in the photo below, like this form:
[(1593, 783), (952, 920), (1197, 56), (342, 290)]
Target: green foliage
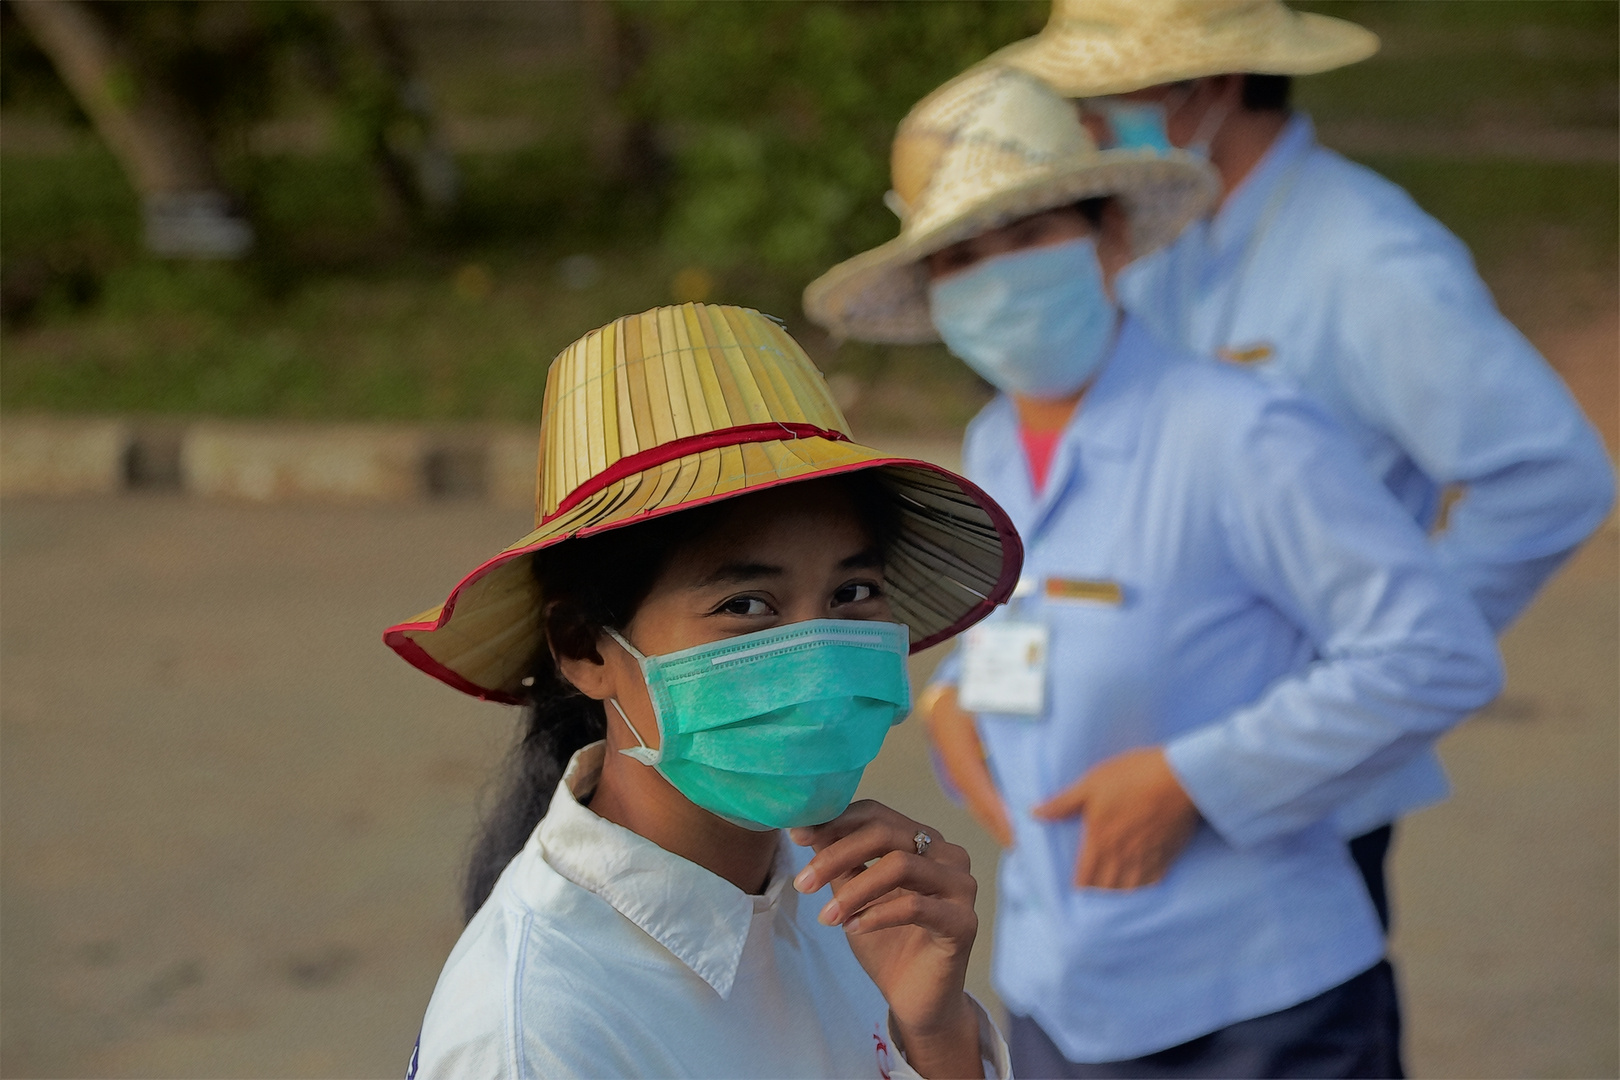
[(1536, 63), (779, 115), (771, 125)]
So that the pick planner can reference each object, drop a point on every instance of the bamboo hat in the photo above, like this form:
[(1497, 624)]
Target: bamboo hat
[(989, 147), (683, 406), (1091, 48)]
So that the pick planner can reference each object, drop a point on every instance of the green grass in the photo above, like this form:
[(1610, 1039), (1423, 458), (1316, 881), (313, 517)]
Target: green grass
[(345, 319), (1542, 63)]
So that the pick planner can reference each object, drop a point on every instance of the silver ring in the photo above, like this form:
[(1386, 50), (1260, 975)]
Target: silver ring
[(922, 840)]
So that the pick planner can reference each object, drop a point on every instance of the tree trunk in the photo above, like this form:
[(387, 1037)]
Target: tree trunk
[(624, 147), (161, 147), (408, 141)]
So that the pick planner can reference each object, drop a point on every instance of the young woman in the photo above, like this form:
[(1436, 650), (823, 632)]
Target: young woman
[(709, 630), (1244, 628)]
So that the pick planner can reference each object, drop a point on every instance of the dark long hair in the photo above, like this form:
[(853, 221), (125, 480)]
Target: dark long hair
[(587, 586)]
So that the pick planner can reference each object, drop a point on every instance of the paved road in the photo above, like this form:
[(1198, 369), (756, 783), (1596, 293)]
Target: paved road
[(231, 819)]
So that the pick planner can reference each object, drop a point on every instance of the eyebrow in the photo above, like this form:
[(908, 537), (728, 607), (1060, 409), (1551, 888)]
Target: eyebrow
[(869, 559), (737, 573)]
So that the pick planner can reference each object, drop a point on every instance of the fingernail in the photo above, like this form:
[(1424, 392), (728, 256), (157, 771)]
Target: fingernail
[(830, 914), (806, 881), (853, 926), (799, 836)]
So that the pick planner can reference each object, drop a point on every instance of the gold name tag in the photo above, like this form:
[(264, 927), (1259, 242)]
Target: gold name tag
[(1254, 354), (1097, 592)]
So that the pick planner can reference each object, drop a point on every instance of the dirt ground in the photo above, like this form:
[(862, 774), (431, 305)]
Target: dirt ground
[(232, 820)]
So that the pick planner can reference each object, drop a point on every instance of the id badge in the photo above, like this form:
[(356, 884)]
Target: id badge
[(1004, 668)]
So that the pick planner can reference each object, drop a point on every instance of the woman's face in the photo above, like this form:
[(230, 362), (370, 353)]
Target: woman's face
[(782, 556), (1049, 227)]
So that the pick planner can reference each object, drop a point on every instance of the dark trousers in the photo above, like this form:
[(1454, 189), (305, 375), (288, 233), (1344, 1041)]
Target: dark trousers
[(1343, 1032), (1351, 1030)]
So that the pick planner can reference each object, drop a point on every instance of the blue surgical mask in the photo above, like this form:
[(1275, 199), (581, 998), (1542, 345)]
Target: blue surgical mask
[(1036, 322), (1137, 125), (772, 730), (1144, 125)]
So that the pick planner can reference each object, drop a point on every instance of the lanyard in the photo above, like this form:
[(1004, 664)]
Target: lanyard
[(1268, 215)]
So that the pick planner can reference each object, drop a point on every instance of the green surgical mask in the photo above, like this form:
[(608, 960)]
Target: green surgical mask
[(772, 730)]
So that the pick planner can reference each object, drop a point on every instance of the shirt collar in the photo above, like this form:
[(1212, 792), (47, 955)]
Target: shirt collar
[(1105, 425), (1105, 421), (1240, 214), (701, 918)]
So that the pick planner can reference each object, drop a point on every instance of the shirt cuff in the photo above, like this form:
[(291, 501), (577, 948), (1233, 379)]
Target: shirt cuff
[(1201, 760), (993, 1054)]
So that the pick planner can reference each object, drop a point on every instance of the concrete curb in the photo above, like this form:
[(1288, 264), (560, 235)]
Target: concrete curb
[(266, 462), (252, 461)]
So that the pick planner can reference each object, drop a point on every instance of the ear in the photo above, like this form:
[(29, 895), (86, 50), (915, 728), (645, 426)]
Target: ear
[(577, 650), (590, 675)]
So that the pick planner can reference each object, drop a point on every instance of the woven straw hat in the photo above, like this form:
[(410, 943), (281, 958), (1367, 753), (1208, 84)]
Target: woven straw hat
[(683, 406), (1090, 48), (987, 148)]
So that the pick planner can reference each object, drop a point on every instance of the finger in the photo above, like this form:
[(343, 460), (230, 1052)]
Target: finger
[(852, 853), (1085, 864), (991, 814), (984, 801), (1000, 823), (857, 815), (873, 840), (950, 920), (1065, 804), (896, 871)]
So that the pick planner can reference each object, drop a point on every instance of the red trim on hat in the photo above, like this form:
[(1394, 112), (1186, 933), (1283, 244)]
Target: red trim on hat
[(418, 657), (691, 444), (1012, 558)]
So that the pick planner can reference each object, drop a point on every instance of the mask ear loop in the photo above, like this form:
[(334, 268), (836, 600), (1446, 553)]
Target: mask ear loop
[(1204, 137), (643, 753)]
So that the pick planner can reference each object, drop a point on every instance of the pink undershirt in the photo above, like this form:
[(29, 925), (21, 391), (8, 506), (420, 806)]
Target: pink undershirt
[(1039, 446)]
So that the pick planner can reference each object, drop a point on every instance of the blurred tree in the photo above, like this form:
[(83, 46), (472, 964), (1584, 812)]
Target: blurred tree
[(388, 107), (172, 85), (622, 144), (160, 141), (778, 116)]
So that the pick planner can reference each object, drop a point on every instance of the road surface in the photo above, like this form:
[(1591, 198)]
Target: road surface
[(232, 820)]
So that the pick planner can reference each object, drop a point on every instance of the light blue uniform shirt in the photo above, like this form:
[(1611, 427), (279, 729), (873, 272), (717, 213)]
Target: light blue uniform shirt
[(1367, 305), (1285, 631)]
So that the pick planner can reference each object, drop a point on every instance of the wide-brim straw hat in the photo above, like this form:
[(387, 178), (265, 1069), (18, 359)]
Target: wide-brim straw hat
[(1091, 48), (989, 147), (681, 407)]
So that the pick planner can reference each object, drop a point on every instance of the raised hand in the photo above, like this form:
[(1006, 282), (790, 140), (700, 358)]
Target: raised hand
[(910, 922), (1137, 816)]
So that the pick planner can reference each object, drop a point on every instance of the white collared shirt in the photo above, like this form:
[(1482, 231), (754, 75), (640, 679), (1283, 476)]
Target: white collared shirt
[(601, 954), (1328, 279)]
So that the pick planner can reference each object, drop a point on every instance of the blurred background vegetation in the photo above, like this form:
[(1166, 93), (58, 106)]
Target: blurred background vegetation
[(611, 155)]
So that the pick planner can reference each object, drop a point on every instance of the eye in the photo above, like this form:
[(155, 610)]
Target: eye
[(744, 605), (856, 592)]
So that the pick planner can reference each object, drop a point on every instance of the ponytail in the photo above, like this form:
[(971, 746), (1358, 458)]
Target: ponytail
[(557, 723), (587, 586)]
